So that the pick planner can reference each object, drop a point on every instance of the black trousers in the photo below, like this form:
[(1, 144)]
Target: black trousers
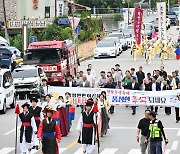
[(156, 108), (111, 110), (168, 110), (177, 113)]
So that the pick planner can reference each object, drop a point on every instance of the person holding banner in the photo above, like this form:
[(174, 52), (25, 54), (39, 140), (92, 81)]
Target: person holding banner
[(104, 119), (69, 105), (154, 86), (133, 85), (86, 127), (156, 134), (177, 108)]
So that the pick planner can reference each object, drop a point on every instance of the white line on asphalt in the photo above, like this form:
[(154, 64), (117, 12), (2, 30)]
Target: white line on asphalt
[(109, 150), (134, 151), (61, 150), (136, 128), (11, 131), (80, 150), (6, 150), (167, 151), (33, 151), (178, 134), (174, 145)]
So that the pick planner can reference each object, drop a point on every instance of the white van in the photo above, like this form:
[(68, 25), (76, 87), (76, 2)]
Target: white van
[(7, 90)]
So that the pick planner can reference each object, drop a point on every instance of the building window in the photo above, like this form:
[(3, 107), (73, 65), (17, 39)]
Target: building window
[(47, 12)]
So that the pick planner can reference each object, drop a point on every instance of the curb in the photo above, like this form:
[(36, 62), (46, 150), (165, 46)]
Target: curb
[(86, 58)]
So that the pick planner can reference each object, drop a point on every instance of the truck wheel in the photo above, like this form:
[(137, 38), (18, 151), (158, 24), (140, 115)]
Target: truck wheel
[(3, 111)]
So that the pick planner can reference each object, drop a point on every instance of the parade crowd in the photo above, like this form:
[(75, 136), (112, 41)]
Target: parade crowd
[(50, 119)]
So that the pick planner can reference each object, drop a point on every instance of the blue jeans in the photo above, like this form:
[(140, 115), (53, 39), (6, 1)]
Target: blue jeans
[(156, 147)]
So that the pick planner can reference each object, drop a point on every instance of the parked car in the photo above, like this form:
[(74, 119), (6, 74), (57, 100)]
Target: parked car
[(173, 18), (6, 54), (106, 48), (175, 9), (27, 81), (148, 30), (129, 38), (118, 44), (121, 39), (7, 90)]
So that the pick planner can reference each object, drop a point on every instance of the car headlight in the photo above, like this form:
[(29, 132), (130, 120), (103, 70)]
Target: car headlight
[(35, 84)]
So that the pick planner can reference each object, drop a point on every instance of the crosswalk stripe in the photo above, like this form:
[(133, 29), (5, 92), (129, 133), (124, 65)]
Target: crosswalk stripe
[(167, 151), (134, 151), (174, 145), (33, 151), (6, 150), (109, 150), (61, 150), (178, 134), (79, 151)]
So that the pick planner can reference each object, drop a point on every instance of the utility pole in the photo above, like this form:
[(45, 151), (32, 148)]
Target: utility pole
[(55, 13), (128, 12), (168, 5), (5, 25)]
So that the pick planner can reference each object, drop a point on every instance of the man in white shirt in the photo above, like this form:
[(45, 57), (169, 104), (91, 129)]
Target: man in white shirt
[(92, 71), (90, 78)]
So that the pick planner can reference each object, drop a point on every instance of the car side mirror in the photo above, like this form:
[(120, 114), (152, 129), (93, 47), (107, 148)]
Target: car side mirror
[(7, 84)]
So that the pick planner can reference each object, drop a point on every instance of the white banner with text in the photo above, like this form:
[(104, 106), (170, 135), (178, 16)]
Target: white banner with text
[(121, 96)]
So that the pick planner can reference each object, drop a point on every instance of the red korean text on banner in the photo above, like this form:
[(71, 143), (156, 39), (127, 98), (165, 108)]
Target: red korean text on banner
[(138, 15)]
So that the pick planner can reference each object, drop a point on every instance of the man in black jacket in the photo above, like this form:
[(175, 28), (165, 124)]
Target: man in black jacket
[(154, 86), (70, 82), (133, 85), (140, 75), (110, 83)]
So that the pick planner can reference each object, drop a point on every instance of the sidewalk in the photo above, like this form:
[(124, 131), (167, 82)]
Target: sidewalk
[(86, 49)]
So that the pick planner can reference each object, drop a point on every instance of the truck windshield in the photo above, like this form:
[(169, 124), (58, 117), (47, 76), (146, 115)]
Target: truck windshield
[(29, 73), (45, 56)]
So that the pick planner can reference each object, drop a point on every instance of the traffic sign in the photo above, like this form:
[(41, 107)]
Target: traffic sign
[(78, 30), (32, 39), (63, 22)]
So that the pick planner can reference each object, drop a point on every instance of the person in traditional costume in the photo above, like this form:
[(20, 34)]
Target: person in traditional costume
[(148, 55), (36, 111), (61, 108), (134, 50), (49, 133), (28, 127), (48, 102), (69, 103), (103, 125), (87, 128)]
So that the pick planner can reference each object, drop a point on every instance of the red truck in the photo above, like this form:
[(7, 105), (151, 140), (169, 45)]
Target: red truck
[(58, 59)]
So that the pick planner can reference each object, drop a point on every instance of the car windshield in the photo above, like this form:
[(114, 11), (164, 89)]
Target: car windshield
[(45, 56), (28, 73), (107, 43), (120, 36), (148, 27), (171, 16)]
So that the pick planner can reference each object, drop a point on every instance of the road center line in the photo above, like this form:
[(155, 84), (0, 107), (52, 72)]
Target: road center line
[(174, 145), (136, 128), (72, 144), (11, 131)]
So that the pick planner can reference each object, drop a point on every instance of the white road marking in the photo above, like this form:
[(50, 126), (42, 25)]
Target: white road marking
[(79, 151), (178, 134), (33, 151), (11, 131), (136, 128), (134, 151), (167, 151), (61, 150), (109, 150), (174, 145), (6, 150)]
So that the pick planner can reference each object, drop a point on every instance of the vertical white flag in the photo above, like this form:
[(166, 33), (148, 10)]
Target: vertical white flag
[(161, 8)]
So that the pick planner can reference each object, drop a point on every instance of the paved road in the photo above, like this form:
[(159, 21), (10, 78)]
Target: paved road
[(121, 137)]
